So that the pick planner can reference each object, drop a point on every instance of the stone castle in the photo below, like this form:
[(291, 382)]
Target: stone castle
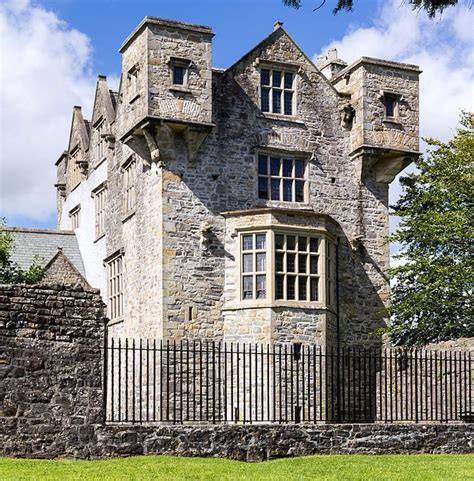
[(247, 204)]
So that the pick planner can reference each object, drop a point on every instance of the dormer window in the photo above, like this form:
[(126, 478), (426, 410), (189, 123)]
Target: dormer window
[(277, 91), (179, 71)]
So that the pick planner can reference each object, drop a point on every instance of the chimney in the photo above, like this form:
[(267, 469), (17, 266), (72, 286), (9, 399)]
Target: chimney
[(329, 64)]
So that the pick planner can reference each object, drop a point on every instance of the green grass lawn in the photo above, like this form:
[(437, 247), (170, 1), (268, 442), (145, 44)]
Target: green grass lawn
[(353, 467)]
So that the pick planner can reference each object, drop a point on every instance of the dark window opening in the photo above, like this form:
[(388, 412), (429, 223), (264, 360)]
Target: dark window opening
[(178, 75)]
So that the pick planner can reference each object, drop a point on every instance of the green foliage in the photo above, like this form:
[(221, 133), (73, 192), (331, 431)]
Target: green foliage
[(432, 7), (432, 295), (11, 272)]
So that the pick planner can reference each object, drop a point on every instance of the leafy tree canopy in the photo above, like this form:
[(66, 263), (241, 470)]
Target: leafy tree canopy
[(431, 6), (432, 297), (11, 272)]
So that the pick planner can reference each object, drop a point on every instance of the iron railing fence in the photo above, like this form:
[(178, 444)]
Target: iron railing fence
[(151, 381)]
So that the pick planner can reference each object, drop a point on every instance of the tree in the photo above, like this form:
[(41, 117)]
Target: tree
[(432, 7), (11, 272), (432, 293)]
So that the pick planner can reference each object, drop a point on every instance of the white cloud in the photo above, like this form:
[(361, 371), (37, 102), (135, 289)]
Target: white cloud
[(443, 48), (44, 71)]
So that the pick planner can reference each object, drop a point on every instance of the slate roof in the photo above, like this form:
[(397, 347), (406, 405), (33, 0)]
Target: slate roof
[(43, 244)]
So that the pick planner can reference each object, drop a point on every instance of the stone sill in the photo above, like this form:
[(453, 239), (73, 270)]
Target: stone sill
[(281, 117), (315, 306), (99, 238), (392, 120), (115, 322), (135, 97), (128, 216), (280, 204), (99, 163), (181, 90)]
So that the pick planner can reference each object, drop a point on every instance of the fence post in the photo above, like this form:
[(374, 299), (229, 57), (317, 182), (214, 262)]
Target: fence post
[(105, 368)]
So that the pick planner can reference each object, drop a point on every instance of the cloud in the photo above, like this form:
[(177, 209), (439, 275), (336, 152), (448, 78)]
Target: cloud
[(443, 48), (45, 68)]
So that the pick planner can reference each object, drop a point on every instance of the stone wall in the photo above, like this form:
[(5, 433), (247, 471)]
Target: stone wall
[(50, 369)]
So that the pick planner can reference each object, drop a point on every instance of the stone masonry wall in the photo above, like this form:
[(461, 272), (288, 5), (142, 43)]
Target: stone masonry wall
[(50, 369)]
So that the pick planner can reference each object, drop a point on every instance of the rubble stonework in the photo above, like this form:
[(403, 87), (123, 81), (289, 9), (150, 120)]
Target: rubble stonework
[(196, 149)]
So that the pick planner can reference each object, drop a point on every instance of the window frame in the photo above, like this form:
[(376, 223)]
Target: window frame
[(394, 98), (181, 63), (75, 217), (283, 69), (75, 174), (115, 296), (129, 188), (100, 144), (100, 203)]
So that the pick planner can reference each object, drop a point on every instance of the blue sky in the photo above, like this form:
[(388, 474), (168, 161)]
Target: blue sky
[(52, 50)]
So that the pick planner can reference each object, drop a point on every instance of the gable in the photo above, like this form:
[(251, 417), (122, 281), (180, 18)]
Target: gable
[(103, 102), (79, 133)]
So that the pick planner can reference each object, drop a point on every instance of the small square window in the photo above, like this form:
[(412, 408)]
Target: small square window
[(390, 102), (178, 75)]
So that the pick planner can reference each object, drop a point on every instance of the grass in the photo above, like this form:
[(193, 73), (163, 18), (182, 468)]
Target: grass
[(349, 467)]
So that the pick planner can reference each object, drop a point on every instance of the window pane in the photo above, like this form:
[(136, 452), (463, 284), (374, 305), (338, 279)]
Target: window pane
[(302, 261), (288, 103), (287, 167), (276, 99), (313, 245), (265, 101), (247, 287), (276, 81), (264, 77), (261, 262), (261, 287), (302, 244), (299, 190), (290, 287), (275, 189), (274, 166), (302, 288), (261, 241), (389, 106), (279, 287), (178, 75), (247, 242), (278, 261), (247, 262), (287, 190), (290, 242), (288, 80), (262, 165), (314, 281), (263, 187), (279, 241), (313, 265), (299, 169), (290, 262)]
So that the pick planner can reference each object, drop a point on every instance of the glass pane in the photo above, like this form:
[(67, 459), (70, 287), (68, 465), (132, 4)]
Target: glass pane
[(261, 262), (265, 100), (247, 291), (290, 287), (247, 242), (276, 101), (279, 241), (302, 288), (288, 80), (279, 287), (275, 185), (275, 166), (262, 165), (287, 190), (178, 75), (288, 103), (302, 244), (276, 81), (302, 263), (287, 167), (290, 262), (261, 240), (313, 244), (279, 261), (247, 262), (263, 187), (299, 169), (313, 265), (299, 191), (261, 287), (264, 77), (314, 281), (290, 242)]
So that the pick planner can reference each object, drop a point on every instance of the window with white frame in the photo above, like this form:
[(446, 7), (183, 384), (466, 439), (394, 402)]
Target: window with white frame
[(74, 215), (129, 182), (277, 91), (75, 169), (253, 263), (100, 140), (100, 196), (115, 287), (286, 266), (281, 178)]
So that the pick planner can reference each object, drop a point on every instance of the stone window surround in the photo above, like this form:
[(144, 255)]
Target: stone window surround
[(397, 98), (74, 173), (74, 215), (118, 292), (128, 188), (132, 76), (179, 62), (270, 302), (100, 146), (99, 194)]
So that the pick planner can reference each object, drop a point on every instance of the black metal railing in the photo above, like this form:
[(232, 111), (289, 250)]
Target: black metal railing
[(151, 381)]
